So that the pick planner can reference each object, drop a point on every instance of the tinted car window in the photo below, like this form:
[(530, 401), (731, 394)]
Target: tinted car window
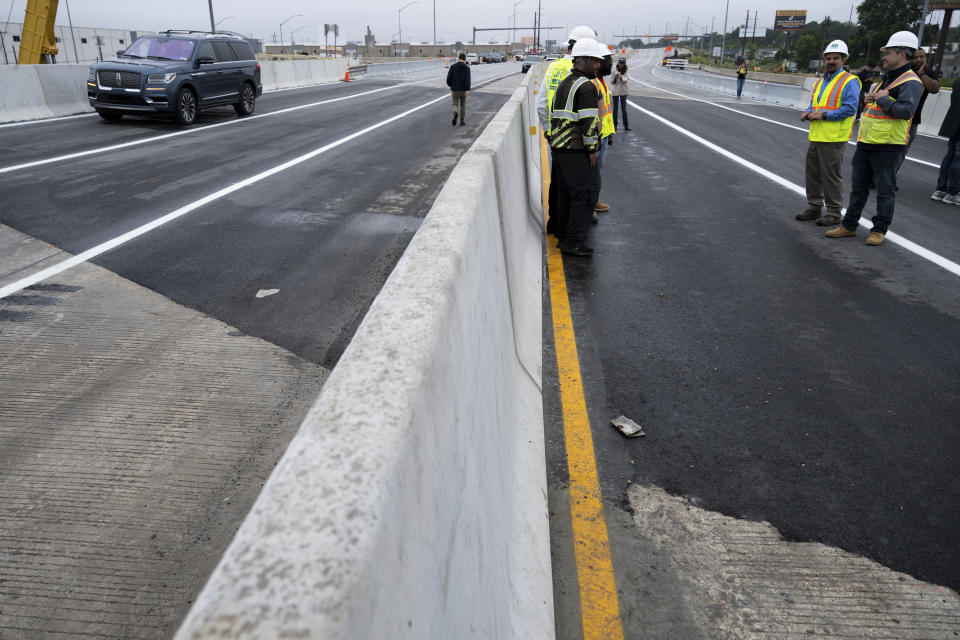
[(205, 50), (160, 47), (242, 50), (224, 52)]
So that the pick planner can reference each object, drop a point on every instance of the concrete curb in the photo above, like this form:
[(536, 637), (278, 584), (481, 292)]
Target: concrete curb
[(412, 502)]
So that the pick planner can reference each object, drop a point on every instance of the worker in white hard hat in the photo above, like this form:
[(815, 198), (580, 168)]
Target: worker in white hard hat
[(931, 84), (833, 106), (556, 72), (574, 143), (884, 132)]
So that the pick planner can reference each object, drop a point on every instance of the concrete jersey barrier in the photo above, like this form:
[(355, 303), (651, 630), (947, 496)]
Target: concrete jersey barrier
[(412, 502)]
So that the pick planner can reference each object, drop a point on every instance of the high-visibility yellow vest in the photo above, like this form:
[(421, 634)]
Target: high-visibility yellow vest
[(830, 100), (556, 72), (606, 109), (565, 122), (876, 127)]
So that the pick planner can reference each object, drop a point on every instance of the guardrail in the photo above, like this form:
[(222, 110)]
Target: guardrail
[(412, 502)]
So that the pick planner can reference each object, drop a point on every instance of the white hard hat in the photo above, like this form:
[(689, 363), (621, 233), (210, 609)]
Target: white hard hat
[(606, 50), (581, 32), (837, 46), (588, 48), (906, 39)]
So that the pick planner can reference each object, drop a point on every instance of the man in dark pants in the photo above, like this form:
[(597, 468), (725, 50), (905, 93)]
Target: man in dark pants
[(575, 142), (458, 79), (931, 84), (884, 131), (948, 182)]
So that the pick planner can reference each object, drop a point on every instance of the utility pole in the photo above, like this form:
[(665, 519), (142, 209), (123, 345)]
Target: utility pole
[(923, 19), (710, 48), (723, 40), (754, 37), (743, 40)]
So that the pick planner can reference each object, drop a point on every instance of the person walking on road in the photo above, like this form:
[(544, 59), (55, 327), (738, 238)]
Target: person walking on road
[(619, 90), (607, 127), (948, 183), (575, 143), (884, 131), (458, 79), (556, 72), (833, 106), (931, 84), (741, 74)]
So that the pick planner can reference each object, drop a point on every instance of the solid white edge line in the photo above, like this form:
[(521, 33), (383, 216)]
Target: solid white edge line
[(911, 246), (80, 258), (750, 115), (46, 120)]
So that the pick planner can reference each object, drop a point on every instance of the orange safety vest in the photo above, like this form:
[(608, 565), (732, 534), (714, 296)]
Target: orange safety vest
[(830, 100), (876, 127)]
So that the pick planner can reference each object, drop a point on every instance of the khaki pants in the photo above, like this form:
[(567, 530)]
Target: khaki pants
[(459, 102), (824, 171)]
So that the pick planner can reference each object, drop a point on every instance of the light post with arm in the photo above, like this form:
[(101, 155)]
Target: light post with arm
[(292, 34), (513, 38), (399, 29), (297, 15)]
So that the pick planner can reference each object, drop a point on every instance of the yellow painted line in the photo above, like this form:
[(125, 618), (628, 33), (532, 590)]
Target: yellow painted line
[(599, 606)]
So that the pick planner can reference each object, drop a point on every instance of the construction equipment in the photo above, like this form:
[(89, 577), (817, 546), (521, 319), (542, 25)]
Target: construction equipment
[(38, 44)]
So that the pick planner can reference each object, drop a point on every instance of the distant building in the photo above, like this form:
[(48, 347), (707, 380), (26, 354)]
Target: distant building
[(81, 45)]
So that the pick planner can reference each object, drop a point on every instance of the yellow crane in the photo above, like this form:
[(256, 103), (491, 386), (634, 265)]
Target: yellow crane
[(38, 44)]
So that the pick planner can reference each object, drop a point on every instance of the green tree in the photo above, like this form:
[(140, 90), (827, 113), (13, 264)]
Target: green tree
[(806, 48), (884, 17)]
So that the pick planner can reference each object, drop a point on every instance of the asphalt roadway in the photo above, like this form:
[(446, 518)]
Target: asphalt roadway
[(781, 377), (147, 392)]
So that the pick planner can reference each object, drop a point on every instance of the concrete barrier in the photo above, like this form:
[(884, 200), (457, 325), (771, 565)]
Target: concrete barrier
[(22, 97), (64, 88), (412, 502)]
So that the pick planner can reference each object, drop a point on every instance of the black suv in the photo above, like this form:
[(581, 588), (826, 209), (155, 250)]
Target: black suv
[(177, 73)]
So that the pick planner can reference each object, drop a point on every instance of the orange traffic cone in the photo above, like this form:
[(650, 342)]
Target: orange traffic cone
[(346, 76)]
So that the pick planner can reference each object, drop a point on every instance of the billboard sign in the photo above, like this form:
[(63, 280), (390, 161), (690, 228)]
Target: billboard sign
[(671, 37), (790, 20)]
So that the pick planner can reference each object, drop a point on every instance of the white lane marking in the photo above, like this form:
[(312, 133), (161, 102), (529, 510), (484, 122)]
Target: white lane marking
[(935, 258), (263, 293), (89, 254), (750, 115), (124, 145), (184, 132), (45, 120)]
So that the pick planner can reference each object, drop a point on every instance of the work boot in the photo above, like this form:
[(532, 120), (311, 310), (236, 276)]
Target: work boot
[(809, 214), (595, 219), (875, 238), (938, 195), (601, 207), (462, 122), (828, 220), (454, 123), (840, 232)]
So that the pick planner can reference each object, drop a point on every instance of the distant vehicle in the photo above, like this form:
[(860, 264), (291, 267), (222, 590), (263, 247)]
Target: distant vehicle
[(177, 73), (529, 61), (675, 63), (517, 57), (472, 58)]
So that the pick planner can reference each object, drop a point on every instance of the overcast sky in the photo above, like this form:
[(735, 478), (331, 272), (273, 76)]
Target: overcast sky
[(454, 20)]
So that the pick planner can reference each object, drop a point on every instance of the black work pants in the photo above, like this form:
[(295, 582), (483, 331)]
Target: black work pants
[(577, 193)]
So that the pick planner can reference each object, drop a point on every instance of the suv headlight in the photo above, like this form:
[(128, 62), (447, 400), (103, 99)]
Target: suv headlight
[(161, 78), (91, 75)]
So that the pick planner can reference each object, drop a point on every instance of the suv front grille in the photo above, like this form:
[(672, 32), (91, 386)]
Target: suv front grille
[(119, 79)]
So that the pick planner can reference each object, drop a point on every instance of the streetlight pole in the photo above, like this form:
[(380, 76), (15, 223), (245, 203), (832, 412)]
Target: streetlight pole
[(291, 36), (400, 29), (515, 5), (434, 28), (213, 27), (298, 15), (723, 40)]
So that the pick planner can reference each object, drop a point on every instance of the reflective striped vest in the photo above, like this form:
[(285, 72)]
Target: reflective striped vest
[(876, 127), (556, 72), (830, 100), (565, 122), (606, 109)]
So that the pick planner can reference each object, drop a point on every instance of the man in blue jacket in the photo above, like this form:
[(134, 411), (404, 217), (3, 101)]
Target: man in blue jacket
[(458, 79)]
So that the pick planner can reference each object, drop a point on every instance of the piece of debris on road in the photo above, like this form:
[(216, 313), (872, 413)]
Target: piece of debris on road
[(628, 427)]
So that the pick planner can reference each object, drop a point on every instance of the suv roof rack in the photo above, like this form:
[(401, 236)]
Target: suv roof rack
[(208, 33)]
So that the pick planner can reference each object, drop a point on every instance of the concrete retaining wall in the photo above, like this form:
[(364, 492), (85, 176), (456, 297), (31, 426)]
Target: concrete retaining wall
[(412, 502)]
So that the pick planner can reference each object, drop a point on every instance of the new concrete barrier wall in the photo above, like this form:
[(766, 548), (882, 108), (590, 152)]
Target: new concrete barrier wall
[(412, 501)]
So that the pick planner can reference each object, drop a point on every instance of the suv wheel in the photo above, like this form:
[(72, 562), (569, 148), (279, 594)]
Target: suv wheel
[(185, 112), (111, 116), (248, 99)]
